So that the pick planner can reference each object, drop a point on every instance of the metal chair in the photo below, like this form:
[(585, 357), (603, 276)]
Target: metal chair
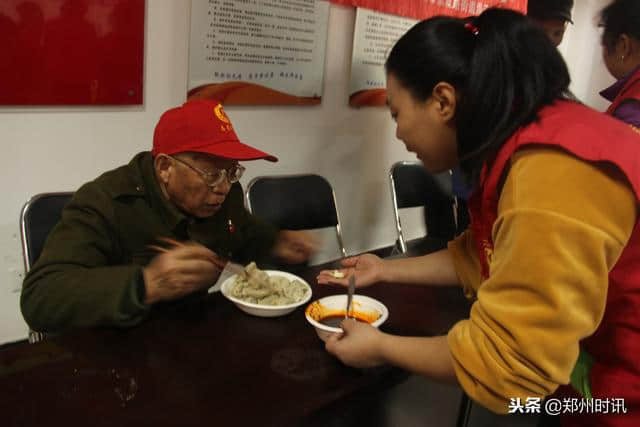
[(295, 202), (38, 216), (412, 186)]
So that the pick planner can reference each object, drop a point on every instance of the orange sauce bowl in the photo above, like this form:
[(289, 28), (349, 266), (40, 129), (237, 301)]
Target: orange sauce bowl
[(326, 313)]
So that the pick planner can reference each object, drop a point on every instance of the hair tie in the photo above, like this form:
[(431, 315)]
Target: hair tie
[(472, 28)]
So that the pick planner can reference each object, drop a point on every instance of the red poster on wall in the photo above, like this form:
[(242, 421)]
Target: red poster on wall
[(421, 9), (71, 52)]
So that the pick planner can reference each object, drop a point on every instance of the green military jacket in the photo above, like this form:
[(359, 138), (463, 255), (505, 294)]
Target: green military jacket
[(90, 270)]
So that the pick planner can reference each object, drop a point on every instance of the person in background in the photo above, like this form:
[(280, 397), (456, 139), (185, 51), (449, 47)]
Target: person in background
[(620, 21), (155, 231), (552, 16), (552, 269)]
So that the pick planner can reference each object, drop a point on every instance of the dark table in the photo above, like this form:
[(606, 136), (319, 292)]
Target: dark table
[(209, 364)]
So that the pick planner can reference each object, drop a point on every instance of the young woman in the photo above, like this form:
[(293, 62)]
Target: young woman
[(552, 256), (621, 52)]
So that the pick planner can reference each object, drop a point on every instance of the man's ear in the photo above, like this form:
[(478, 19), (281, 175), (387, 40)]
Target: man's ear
[(444, 95), (163, 167)]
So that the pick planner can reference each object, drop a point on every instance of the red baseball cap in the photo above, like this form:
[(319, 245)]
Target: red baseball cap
[(202, 126)]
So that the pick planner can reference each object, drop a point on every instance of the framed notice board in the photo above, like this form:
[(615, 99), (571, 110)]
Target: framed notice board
[(71, 52)]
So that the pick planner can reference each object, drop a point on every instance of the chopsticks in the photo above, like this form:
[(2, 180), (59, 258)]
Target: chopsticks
[(235, 268), (219, 262), (226, 264)]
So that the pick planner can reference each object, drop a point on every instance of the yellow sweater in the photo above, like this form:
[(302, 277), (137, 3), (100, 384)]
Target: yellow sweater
[(562, 224)]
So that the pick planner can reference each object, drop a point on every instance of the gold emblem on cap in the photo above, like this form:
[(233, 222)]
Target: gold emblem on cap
[(220, 114)]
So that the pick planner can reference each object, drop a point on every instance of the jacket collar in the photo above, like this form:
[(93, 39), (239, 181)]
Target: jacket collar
[(140, 180), (612, 91)]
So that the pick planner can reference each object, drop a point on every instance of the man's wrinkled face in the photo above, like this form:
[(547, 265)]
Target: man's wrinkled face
[(187, 188)]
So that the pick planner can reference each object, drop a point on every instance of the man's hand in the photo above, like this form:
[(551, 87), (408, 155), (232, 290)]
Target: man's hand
[(180, 271), (294, 247)]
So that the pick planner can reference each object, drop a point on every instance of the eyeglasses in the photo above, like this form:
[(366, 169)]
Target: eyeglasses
[(215, 178)]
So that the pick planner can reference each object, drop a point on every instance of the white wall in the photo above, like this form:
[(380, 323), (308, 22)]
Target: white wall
[(56, 149), (582, 50)]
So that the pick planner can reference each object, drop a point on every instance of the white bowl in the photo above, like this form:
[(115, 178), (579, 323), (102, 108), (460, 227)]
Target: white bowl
[(338, 302), (265, 310)]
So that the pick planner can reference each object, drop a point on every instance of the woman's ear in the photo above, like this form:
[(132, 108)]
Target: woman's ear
[(624, 46), (444, 96), (163, 167)]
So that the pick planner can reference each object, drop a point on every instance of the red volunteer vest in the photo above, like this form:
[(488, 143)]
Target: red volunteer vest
[(615, 345)]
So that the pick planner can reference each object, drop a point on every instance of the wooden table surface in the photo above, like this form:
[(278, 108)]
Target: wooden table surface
[(207, 364)]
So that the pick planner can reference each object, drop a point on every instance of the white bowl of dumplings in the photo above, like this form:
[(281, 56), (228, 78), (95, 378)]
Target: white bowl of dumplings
[(266, 293)]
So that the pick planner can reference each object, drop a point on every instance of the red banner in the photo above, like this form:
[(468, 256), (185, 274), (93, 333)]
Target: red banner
[(421, 9)]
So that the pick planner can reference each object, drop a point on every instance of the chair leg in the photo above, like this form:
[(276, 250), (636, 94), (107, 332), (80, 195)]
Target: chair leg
[(464, 411), (395, 249)]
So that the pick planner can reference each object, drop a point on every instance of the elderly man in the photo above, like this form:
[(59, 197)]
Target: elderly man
[(156, 230), (552, 16)]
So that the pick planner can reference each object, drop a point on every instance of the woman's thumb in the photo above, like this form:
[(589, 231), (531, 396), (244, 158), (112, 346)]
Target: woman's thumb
[(347, 325)]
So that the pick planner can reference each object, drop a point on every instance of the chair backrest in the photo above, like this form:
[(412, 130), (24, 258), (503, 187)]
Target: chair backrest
[(413, 186), (295, 202), (37, 218)]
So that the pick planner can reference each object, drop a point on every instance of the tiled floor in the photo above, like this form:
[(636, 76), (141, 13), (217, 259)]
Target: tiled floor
[(414, 403), (417, 402), (481, 417)]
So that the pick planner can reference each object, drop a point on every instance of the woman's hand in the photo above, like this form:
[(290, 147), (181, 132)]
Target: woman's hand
[(359, 346), (367, 268)]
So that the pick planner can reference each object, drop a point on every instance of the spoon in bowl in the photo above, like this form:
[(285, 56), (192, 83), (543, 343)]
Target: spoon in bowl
[(350, 291)]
